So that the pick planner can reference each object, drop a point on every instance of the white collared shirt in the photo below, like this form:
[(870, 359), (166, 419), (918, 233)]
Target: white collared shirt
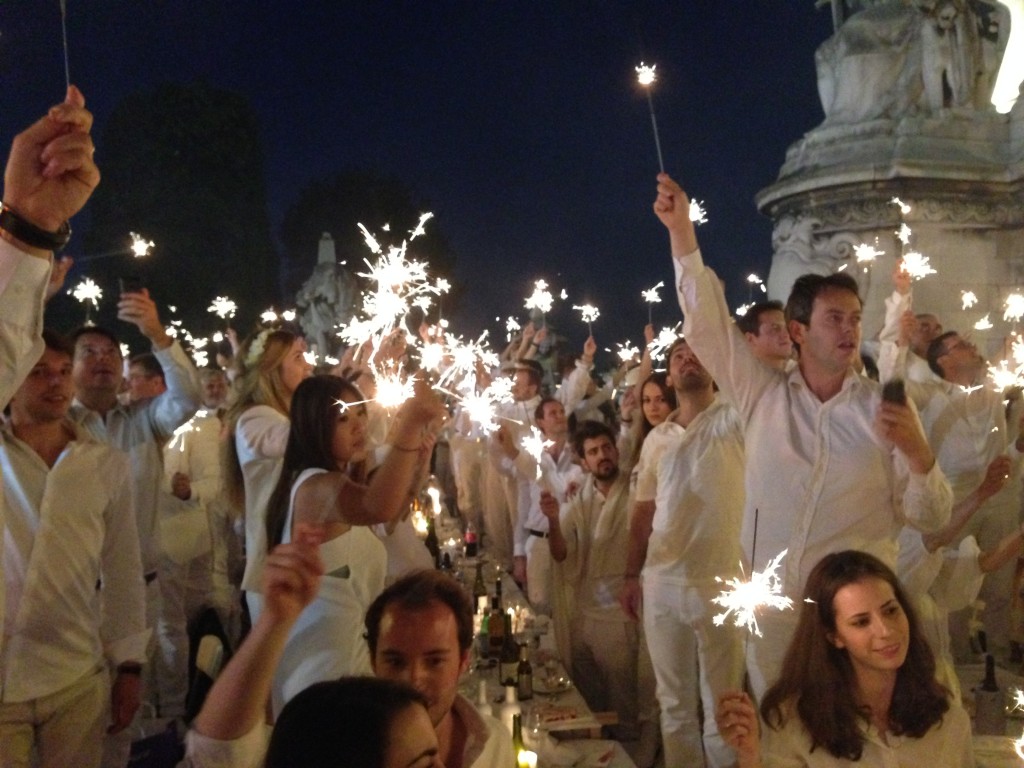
[(819, 478)]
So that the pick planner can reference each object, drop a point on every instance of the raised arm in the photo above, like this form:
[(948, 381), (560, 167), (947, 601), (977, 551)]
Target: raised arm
[(237, 702)]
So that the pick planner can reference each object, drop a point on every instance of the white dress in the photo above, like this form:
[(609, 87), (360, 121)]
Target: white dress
[(327, 640)]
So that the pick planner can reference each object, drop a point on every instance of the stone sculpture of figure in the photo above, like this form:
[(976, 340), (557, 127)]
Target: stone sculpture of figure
[(894, 57), (794, 254), (325, 299)]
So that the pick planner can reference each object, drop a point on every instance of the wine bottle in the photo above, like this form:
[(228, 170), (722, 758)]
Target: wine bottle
[(470, 540), (479, 588), (508, 663), (431, 542), (496, 628), (524, 674), (989, 703), (517, 734)]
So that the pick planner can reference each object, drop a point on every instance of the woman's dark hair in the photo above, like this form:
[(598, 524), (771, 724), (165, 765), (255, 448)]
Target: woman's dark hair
[(310, 438), (341, 722), (817, 682)]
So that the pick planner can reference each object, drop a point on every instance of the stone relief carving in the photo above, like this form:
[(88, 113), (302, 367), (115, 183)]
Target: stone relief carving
[(894, 58), (325, 298)]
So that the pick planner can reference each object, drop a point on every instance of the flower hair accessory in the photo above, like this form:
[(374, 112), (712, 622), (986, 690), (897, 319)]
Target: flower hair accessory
[(256, 349)]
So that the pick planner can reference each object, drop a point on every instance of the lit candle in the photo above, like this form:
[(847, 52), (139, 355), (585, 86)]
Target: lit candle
[(527, 759)]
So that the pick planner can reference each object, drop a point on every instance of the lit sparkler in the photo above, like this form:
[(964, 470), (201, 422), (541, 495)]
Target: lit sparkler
[(89, 293), (589, 313), (541, 298), (626, 352), (916, 265), (984, 324), (223, 307), (904, 208), (742, 309), (1003, 377), (288, 315), (968, 299), (698, 214), (743, 599), (651, 297), (662, 342), (645, 75), (866, 253), (1013, 308), (140, 246), (511, 326), (753, 280), (534, 444)]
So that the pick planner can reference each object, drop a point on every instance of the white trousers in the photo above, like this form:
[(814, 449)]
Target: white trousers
[(694, 663)]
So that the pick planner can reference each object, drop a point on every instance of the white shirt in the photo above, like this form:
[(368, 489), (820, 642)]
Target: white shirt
[(23, 280), (261, 436), (946, 745), (819, 479), (596, 531), (645, 474), (140, 429), (557, 476), (699, 504), (69, 528)]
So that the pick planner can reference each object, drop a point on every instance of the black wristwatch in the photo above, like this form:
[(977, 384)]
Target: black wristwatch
[(30, 234)]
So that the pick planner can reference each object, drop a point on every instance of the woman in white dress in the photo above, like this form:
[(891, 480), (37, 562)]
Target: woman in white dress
[(322, 498)]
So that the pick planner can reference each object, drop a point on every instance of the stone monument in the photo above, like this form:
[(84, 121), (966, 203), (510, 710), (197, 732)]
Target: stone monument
[(325, 299), (906, 88)]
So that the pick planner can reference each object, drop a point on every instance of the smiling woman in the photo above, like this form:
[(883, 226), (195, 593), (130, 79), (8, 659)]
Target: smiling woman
[(858, 682)]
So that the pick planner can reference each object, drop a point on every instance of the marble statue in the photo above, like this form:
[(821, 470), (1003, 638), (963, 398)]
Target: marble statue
[(325, 298)]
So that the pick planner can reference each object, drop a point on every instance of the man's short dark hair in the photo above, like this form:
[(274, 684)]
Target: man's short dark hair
[(58, 342), (679, 341), (750, 321), (936, 349), (148, 362), (538, 412), (534, 370), (590, 430), (97, 330), (417, 591), (809, 287)]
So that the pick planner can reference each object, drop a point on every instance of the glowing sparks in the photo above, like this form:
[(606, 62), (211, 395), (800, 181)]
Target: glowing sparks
[(866, 253), (743, 599), (903, 233), (742, 309), (755, 280), (662, 342), (511, 326), (904, 208), (698, 214), (534, 444), (968, 299), (627, 352), (984, 324), (393, 389), (916, 265), (1013, 308), (645, 75), (223, 307), (1003, 377), (288, 315), (588, 312), (541, 298), (651, 294), (87, 291), (140, 246)]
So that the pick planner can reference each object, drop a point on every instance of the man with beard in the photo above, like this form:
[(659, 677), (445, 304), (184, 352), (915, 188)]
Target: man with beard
[(588, 538), (684, 533)]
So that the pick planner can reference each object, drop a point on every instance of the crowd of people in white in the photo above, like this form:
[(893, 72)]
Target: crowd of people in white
[(143, 499)]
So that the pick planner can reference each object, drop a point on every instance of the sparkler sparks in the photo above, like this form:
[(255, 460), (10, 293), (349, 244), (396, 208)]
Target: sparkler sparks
[(743, 599), (866, 253), (140, 246), (916, 265), (511, 326), (662, 342), (534, 444), (541, 298), (1003, 377), (904, 208), (983, 325), (223, 307), (1013, 308), (626, 352), (755, 280), (698, 214), (87, 291), (651, 294), (588, 312), (968, 299), (645, 75)]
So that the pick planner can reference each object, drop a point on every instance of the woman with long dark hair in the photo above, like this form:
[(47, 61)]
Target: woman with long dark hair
[(323, 499), (857, 682)]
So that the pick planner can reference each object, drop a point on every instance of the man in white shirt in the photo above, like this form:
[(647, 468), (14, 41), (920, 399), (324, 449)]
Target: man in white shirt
[(588, 538), (73, 579), (684, 533), (555, 470), (830, 466), (420, 630), (49, 176), (764, 327)]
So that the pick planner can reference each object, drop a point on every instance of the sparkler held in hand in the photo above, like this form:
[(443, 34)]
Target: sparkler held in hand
[(645, 75)]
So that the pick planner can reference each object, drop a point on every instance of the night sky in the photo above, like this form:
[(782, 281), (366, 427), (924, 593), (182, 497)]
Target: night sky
[(519, 123)]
